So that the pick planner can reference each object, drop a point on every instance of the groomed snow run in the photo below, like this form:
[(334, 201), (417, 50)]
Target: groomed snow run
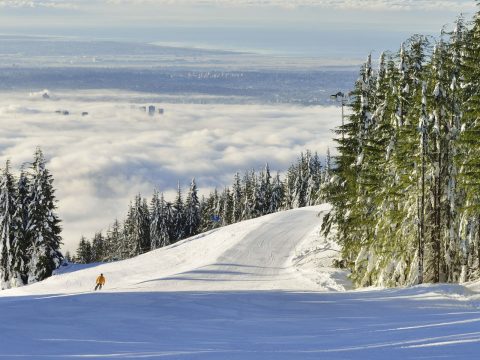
[(260, 289)]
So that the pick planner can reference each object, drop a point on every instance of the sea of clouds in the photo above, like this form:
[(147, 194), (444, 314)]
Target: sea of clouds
[(101, 160)]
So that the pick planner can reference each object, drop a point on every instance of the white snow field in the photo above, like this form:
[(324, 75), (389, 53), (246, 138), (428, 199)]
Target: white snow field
[(260, 289)]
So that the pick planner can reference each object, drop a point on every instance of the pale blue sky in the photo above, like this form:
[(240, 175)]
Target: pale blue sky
[(328, 28)]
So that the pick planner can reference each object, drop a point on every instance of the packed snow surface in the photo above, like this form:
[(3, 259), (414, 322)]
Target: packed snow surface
[(260, 289)]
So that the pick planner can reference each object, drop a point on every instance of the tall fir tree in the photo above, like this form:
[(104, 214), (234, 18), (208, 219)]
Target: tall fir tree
[(140, 227), (179, 216), (22, 220), (84, 252), (114, 241), (192, 211), (44, 225), (237, 199), (99, 249), (8, 201), (156, 218)]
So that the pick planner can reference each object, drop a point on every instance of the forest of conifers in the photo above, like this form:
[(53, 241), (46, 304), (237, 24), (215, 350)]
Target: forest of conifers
[(29, 226), (153, 224), (406, 185)]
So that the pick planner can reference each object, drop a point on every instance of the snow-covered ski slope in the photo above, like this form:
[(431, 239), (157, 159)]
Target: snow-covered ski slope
[(257, 254), (261, 289)]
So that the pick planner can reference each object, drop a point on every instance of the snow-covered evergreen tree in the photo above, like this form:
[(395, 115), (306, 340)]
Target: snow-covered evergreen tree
[(277, 195), (237, 199), (114, 241), (167, 222), (155, 221), (263, 192), (140, 226), (468, 160), (248, 192), (179, 216), (7, 226), (21, 243), (314, 180), (192, 211), (99, 250), (226, 207), (84, 252), (44, 225)]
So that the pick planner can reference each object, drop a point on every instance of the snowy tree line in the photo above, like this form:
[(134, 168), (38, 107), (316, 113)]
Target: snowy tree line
[(29, 227), (405, 187), (156, 223)]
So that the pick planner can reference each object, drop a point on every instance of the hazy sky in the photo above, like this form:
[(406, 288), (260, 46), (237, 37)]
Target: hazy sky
[(330, 28)]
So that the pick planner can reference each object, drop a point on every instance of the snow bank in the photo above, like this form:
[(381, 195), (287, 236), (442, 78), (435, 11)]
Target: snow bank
[(314, 260)]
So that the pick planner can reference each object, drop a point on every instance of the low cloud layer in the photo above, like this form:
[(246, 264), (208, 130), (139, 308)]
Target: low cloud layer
[(101, 160)]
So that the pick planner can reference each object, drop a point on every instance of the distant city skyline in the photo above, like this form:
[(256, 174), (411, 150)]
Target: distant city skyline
[(318, 28)]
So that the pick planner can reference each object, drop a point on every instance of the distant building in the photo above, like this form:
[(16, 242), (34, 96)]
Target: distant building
[(151, 110)]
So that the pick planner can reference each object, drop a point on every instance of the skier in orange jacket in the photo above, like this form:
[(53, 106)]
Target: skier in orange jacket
[(100, 282)]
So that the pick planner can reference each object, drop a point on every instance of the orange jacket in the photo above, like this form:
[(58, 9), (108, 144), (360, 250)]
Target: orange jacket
[(101, 280)]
